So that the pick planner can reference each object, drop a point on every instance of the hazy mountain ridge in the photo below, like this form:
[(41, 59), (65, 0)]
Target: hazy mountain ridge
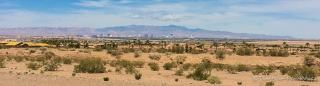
[(134, 30)]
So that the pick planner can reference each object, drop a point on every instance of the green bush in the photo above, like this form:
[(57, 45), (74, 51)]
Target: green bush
[(200, 73), (186, 66), (317, 54), (18, 58), (244, 52), (176, 79), (98, 48), (51, 66), (2, 61), (33, 66), (214, 80), (74, 74), (137, 76), (242, 67), (130, 69), (139, 64), (118, 70), (67, 60), (32, 51), (218, 66), (269, 83), (105, 78), (179, 72), (169, 65), (136, 55), (155, 57), (308, 61), (265, 70), (49, 55), (220, 54), (284, 70), (90, 65), (231, 69), (303, 73), (180, 59), (161, 50), (154, 66)]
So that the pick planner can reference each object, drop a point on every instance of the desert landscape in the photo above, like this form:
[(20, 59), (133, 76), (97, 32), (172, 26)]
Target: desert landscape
[(163, 64)]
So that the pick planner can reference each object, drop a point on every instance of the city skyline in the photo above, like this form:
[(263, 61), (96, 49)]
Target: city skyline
[(273, 17)]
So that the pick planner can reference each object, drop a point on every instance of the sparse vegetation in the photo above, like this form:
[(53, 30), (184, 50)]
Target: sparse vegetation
[(137, 76), (179, 72), (169, 65), (90, 65), (269, 83), (220, 54), (2, 61), (154, 66), (33, 66), (105, 78), (214, 80), (155, 57)]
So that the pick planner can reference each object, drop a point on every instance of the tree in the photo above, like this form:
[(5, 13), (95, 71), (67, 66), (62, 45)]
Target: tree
[(307, 45), (77, 45), (86, 45)]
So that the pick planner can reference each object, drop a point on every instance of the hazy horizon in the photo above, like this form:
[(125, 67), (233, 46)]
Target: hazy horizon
[(298, 19)]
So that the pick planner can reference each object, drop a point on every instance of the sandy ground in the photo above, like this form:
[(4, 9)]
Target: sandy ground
[(63, 77)]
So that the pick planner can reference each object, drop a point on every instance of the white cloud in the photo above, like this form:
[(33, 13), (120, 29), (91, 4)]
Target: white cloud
[(92, 3)]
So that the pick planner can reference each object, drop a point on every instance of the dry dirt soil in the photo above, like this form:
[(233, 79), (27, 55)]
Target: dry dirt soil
[(63, 77)]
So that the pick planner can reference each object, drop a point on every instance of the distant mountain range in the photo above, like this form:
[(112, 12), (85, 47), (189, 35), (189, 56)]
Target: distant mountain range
[(134, 30)]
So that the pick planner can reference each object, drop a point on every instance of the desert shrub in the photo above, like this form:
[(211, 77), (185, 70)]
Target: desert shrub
[(136, 55), (137, 76), (269, 83), (118, 70), (2, 61), (127, 50), (179, 72), (18, 58), (154, 66), (284, 70), (67, 60), (114, 53), (239, 83), (195, 51), (130, 69), (90, 65), (155, 57), (121, 63), (72, 49), (169, 65), (51, 66), (245, 52), (144, 50), (49, 55), (280, 53), (180, 59), (242, 67), (139, 64), (57, 59), (220, 54), (218, 66), (176, 79), (308, 61), (86, 51), (74, 74), (43, 49), (186, 66), (40, 59), (98, 48), (32, 58), (161, 50), (105, 78), (231, 69), (214, 80), (32, 51), (308, 74), (265, 70), (200, 73), (317, 54), (33, 66)]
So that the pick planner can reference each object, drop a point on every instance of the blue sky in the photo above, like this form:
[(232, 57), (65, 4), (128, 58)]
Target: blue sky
[(297, 18)]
